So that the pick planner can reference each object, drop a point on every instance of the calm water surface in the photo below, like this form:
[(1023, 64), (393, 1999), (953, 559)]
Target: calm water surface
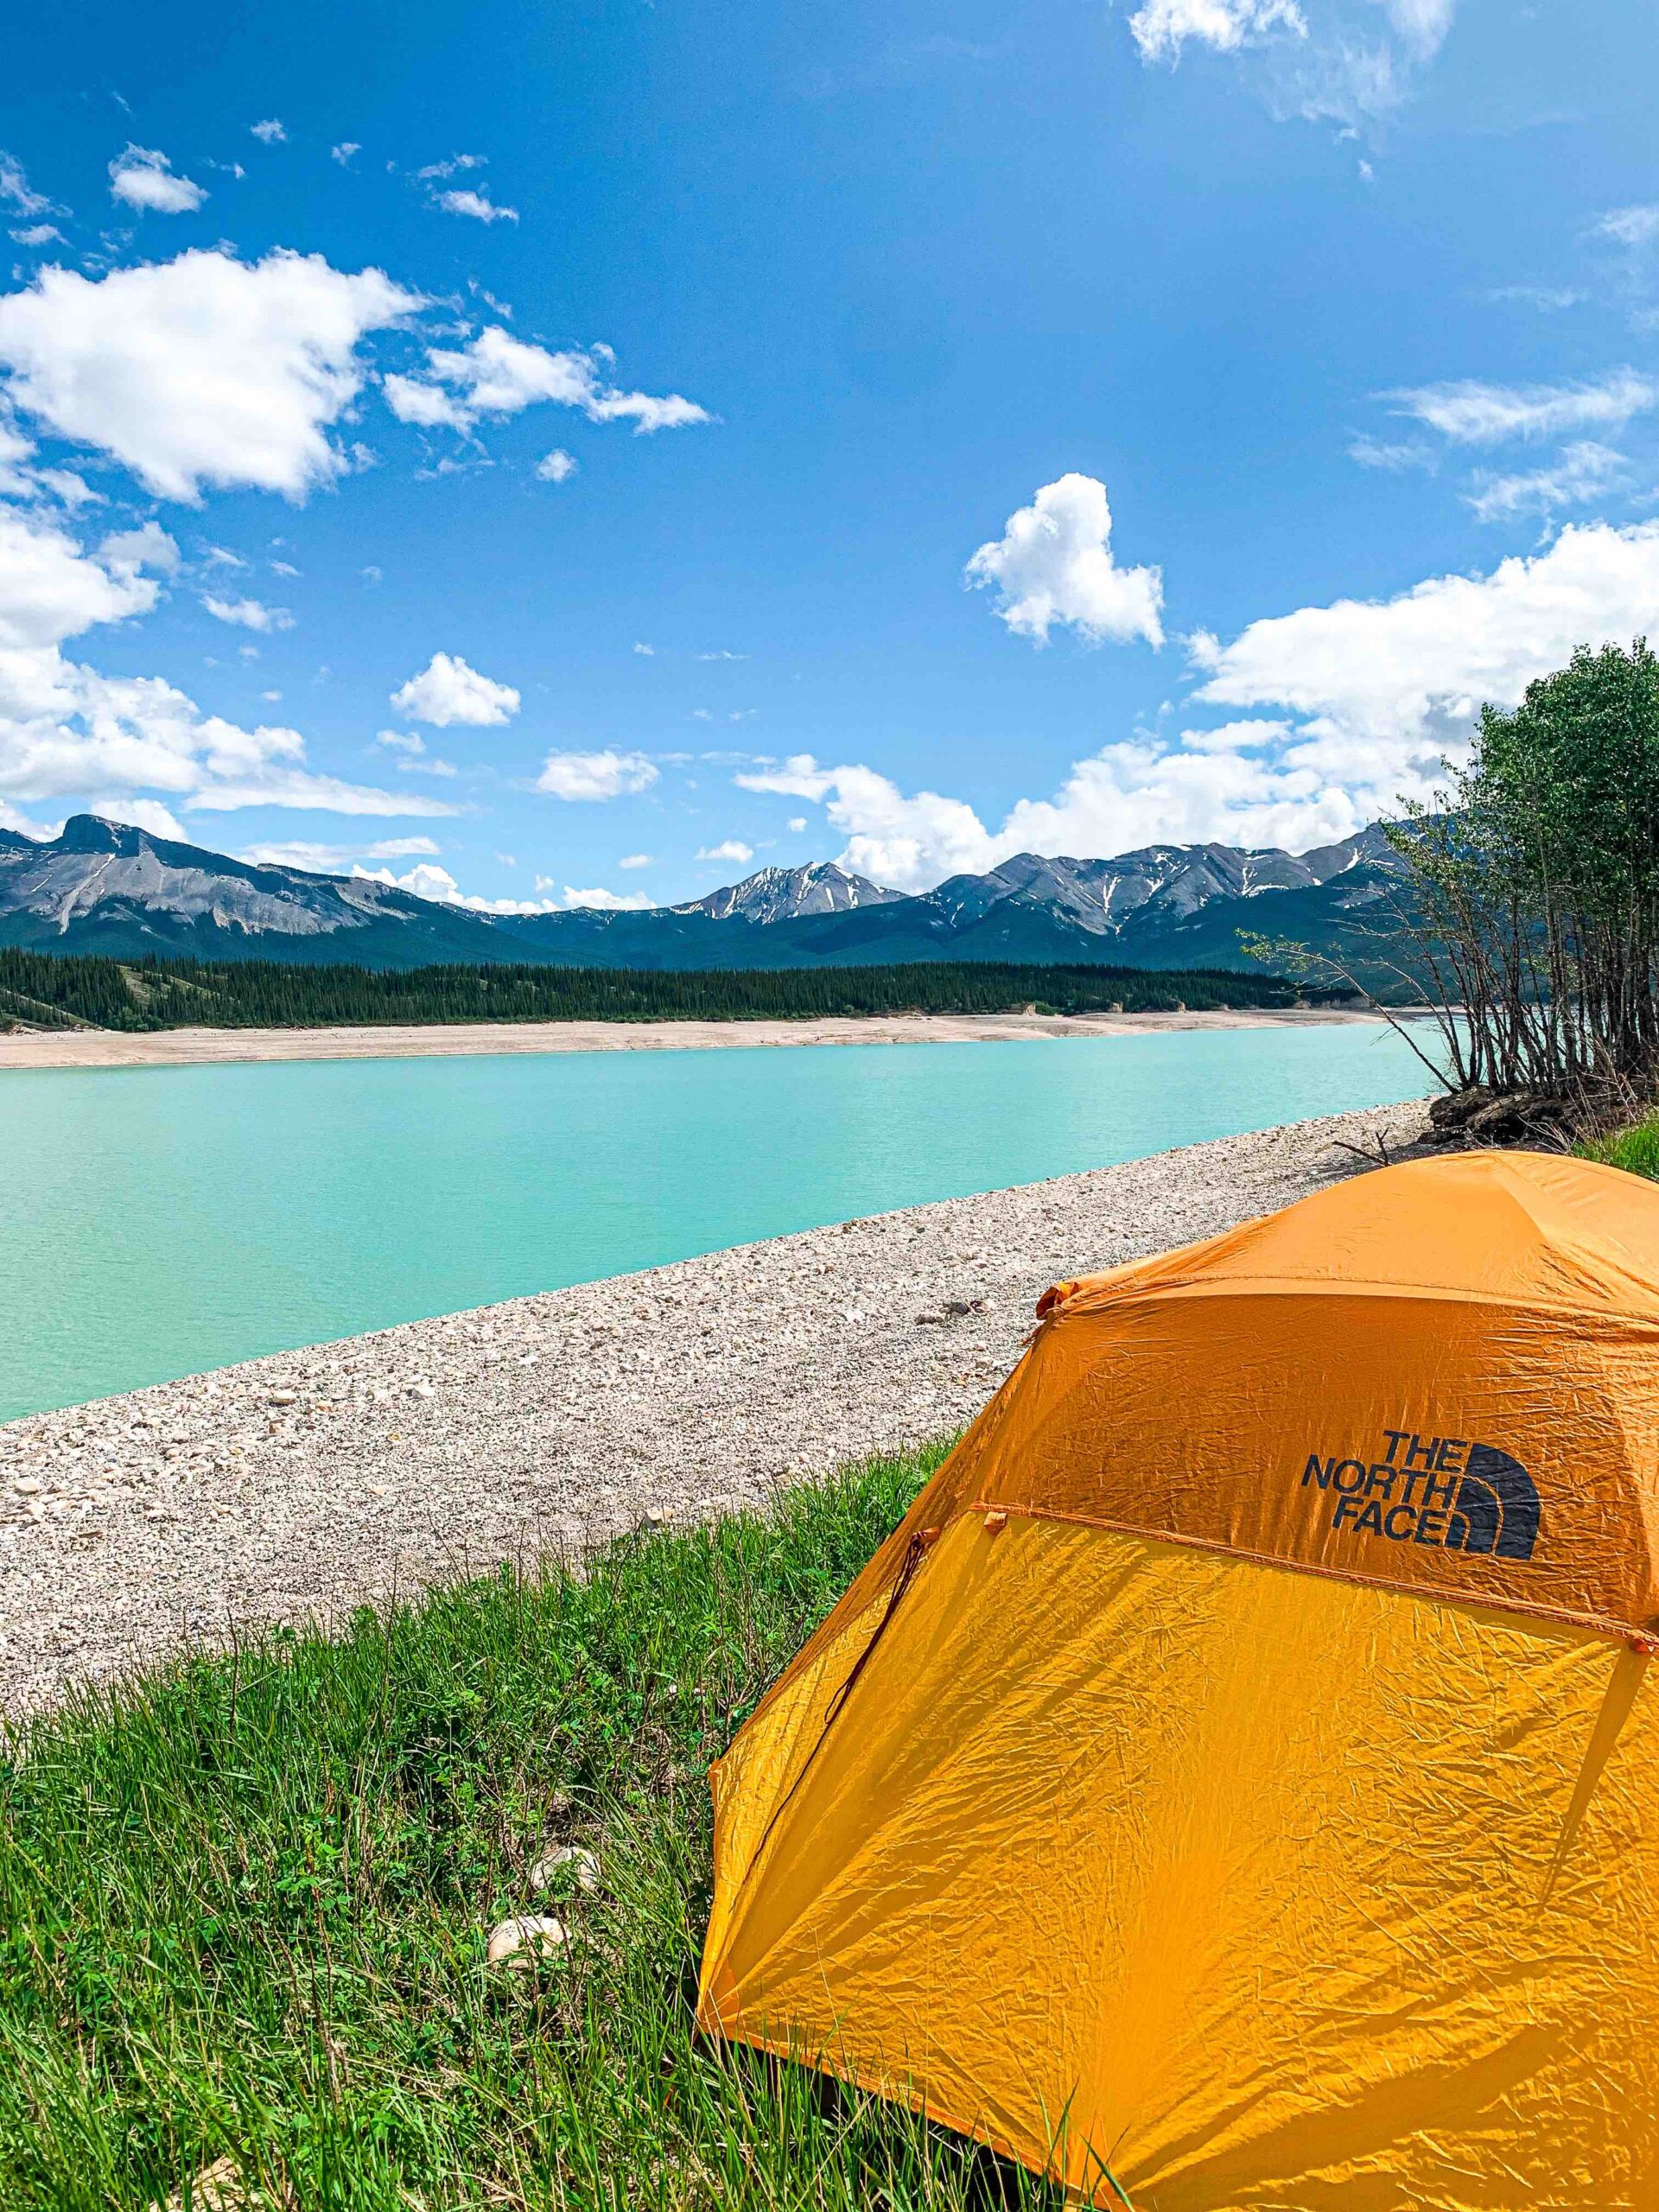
[(154, 1221)]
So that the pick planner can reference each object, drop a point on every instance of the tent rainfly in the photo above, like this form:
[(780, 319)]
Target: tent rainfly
[(1235, 1784)]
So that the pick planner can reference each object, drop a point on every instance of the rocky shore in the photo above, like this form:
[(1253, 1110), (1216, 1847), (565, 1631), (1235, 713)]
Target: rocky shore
[(119, 1048), (300, 1485)]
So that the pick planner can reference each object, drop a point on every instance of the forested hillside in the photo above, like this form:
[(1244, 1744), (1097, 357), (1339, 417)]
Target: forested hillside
[(59, 990)]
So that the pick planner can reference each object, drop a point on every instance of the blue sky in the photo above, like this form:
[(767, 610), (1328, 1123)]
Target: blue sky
[(579, 454)]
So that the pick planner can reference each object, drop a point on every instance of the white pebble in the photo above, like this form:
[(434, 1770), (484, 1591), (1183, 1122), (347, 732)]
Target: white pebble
[(583, 1863), (530, 1930)]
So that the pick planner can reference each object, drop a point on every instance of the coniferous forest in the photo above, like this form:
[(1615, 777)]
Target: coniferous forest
[(50, 991)]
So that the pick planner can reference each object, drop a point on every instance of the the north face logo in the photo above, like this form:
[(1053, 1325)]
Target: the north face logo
[(1443, 1491)]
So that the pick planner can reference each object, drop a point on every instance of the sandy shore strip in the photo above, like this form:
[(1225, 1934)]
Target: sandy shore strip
[(299, 1486), (113, 1048)]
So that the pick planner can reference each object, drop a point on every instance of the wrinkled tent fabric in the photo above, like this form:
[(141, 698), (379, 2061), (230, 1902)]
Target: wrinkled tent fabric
[(1237, 1783)]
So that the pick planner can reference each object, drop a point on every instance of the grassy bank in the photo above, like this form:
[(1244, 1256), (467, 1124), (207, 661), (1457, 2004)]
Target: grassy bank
[(1635, 1149), (244, 1906)]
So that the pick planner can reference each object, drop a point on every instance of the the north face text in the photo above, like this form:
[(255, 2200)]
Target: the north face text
[(1447, 1493)]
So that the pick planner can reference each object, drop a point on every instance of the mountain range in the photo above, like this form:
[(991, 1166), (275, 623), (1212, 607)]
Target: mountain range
[(103, 886)]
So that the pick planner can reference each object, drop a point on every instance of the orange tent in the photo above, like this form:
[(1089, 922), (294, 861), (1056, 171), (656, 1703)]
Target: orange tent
[(1236, 1783)]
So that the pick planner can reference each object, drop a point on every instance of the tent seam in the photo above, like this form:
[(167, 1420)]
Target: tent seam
[(1599, 1624), (1343, 1287)]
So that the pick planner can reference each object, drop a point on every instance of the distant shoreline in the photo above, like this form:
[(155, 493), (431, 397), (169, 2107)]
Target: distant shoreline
[(115, 1048)]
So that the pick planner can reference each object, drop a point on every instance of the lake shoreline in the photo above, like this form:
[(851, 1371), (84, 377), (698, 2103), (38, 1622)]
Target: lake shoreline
[(111, 1048), (296, 1486)]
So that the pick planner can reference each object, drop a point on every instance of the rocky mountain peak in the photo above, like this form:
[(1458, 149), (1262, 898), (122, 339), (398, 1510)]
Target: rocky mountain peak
[(783, 894)]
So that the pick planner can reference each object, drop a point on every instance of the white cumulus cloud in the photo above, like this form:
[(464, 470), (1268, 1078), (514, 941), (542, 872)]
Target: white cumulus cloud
[(426, 881), (145, 179), (270, 132), (463, 200), (1161, 28), (1053, 563), (557, 467), (1365, 700), (1386, 686), (66, 730), (249, 613), (905, 842), (149, 546), (142, 814), (729, 849), (1132, 793), (447, 691), (607, 902), (1246, 736), (601, 775), (204, 370), (498, 374), (50, 590)]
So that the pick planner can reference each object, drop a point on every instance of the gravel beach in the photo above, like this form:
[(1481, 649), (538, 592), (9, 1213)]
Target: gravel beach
[(299, 1486), (159, 1048)]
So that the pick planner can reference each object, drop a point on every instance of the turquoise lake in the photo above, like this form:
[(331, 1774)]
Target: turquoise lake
[(154, 1221)]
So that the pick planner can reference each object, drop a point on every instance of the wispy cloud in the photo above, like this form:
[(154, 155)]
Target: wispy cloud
[(1352, 62), (1549, 299), (1397, 457), (16, 192), (1583, 472), (1631, 226), (1473, 412)]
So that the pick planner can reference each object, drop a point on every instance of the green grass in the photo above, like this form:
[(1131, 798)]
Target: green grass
[(1635, 1149), (243, 1907)]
